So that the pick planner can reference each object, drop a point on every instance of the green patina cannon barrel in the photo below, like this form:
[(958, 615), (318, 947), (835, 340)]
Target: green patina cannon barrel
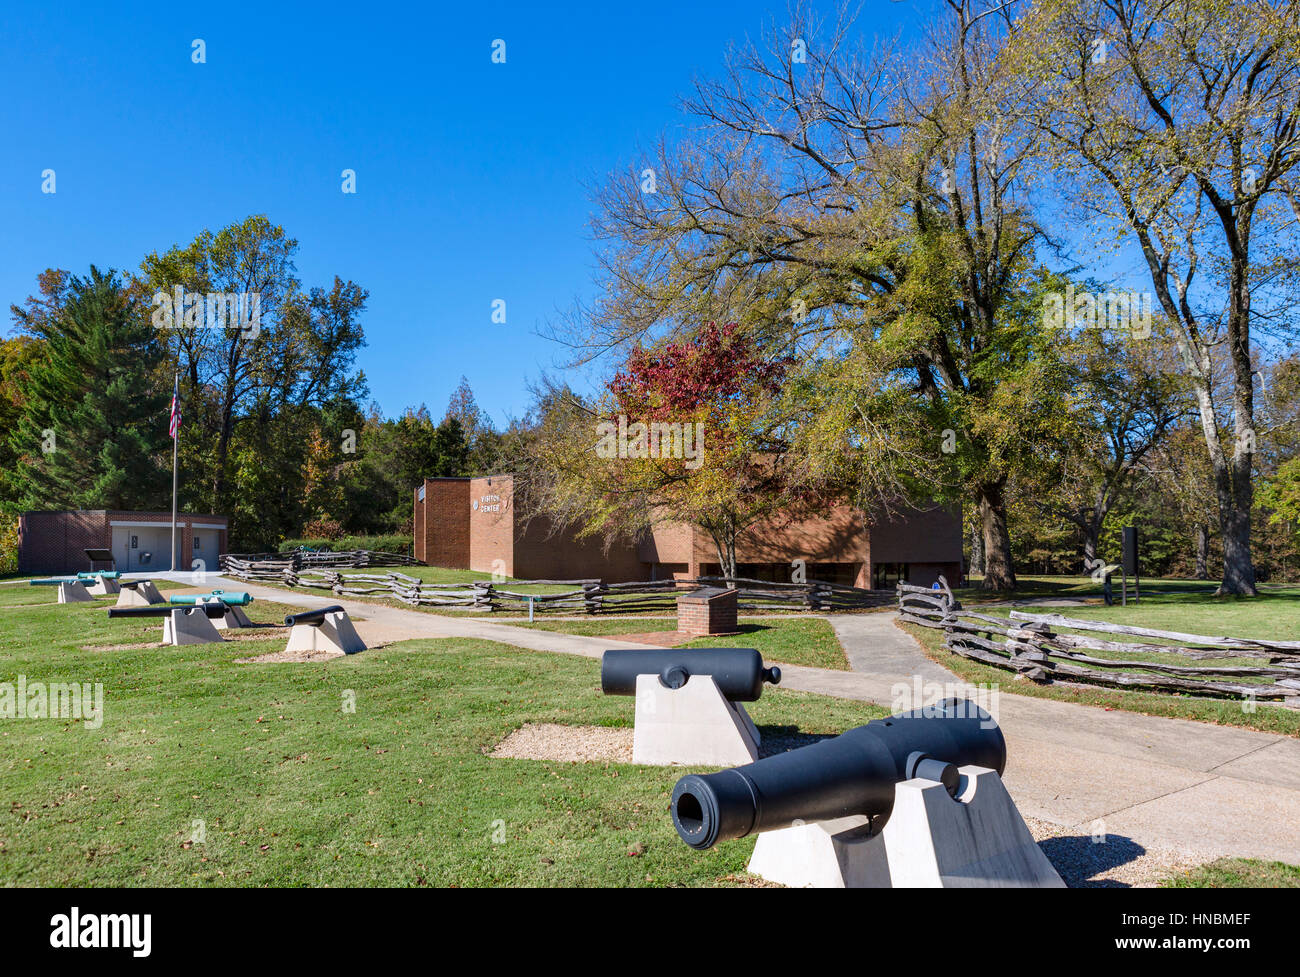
[(853, 773), (82, 578), (164, 610), (312, 617), (233, 598), (738, 672)]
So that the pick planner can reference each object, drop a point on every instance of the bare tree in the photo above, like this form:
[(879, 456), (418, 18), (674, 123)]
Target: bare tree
[(1179, 123)]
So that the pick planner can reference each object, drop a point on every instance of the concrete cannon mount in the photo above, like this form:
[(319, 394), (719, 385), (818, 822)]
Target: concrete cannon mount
[(688, 702), (694, 725), (73, 592), (976, 839), (139, 593), (323, 629), (104, 586), (189, 626)]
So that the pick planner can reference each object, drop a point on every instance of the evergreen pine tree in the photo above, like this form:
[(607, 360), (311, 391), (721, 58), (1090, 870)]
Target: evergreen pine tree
[(94, 424)]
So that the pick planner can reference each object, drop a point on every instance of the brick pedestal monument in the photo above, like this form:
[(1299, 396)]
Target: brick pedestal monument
[(708, 610)]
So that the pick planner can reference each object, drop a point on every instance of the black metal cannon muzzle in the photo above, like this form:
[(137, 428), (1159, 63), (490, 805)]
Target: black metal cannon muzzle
[(312, 617), (738, 672), (851, 774), (165, 610)]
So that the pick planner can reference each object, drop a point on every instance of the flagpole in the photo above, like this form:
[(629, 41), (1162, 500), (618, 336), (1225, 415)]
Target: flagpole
[(176, 441)]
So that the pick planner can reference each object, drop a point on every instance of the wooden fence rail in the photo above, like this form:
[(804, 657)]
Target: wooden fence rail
[(587, 596), (1046, 647), (268, 566)]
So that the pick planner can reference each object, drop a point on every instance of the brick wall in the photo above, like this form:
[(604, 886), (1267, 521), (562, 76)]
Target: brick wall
[(917, 536), (491, 513), (543, 555), (835, 535), (418, 546), (53, 542), (473, 524), (444, 523)]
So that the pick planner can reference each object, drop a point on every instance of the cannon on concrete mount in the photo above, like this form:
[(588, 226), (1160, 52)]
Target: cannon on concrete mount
[(688, 701), (912, 800)]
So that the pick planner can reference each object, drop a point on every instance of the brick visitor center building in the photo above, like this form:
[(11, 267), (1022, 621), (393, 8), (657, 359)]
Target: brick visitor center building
[(472, 524)]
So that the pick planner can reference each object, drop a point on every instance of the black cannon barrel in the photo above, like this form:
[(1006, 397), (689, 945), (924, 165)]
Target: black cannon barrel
[(738, 672), (165, 610), (853, 773), (312, 617)]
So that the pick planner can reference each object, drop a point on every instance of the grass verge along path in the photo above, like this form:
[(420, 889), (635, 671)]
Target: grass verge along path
[(794, 641)]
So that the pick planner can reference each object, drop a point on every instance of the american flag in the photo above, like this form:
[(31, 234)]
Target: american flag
[(175, 424)]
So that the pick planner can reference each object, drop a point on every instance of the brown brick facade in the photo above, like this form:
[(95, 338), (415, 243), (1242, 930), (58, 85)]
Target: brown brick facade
[(472, 523), (54, 542), (442, 523)]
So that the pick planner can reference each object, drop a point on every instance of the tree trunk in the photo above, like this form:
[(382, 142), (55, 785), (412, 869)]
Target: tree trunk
[(1238, 569), (977, 550), (724, 541), (999, 573), (1091, 522), (1090, 546), (1233, 493), (1202, 552)]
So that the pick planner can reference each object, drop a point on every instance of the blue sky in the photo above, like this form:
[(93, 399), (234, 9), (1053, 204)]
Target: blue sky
[(472, 177)]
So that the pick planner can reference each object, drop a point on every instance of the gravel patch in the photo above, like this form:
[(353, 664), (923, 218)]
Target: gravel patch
[(290, 656), (1116, 863), (606, 744), (570, 744)]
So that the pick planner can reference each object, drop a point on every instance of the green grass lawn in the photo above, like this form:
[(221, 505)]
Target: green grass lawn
[(1237, 873), (1274, 614), (1084, 587), (791, 640), (293, 790)]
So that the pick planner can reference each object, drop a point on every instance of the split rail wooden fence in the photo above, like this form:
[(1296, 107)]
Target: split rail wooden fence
[(588, 596), (1050, 647)]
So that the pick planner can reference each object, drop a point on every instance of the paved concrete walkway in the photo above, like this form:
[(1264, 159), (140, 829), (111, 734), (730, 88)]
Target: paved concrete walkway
[(1171, 783)]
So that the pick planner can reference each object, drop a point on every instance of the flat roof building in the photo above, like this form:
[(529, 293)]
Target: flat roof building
[(55, 542), (472, 524)]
